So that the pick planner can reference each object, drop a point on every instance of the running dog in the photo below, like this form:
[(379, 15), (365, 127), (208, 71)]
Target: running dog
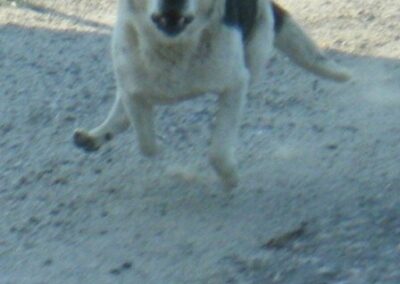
[(166, 51)]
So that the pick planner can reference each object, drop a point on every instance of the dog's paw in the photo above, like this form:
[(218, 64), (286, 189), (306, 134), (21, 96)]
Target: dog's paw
[(149, 150), (83, 140), (226, 169), (230, 181)]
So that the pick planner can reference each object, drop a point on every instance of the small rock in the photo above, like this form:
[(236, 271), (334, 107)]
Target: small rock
[(327, 271), (286, 238), (69, 118), (103, 232), (60, 181), (332, 146), (126, 265), (34, 220), (55, 212), (48, 262), (115, 271), (6, 128)]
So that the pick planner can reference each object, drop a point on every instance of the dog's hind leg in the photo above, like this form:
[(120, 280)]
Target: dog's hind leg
[(259, 46), (116, 122), (225, 134)]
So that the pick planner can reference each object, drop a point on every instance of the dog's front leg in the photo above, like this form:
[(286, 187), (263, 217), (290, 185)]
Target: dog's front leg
[(116, 122), (140, 113), (224, 136)]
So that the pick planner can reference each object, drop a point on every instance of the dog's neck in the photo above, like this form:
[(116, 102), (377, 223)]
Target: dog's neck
[(170, 50), (177, 51)]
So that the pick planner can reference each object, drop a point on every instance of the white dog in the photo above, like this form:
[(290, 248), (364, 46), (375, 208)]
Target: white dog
[(166, 51)]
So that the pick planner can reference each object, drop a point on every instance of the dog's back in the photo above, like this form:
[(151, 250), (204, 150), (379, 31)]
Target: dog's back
[(251, 18)]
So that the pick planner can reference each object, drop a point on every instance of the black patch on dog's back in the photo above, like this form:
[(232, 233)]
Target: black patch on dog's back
[(241, 14), (279, 16)]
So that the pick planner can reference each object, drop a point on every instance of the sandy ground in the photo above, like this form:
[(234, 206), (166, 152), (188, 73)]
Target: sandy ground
[(319, 196)]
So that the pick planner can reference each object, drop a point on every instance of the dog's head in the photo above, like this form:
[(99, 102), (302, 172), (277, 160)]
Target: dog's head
[(174, 19)]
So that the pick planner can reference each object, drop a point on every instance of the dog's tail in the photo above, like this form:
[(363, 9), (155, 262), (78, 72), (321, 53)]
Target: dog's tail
[(294, 42)]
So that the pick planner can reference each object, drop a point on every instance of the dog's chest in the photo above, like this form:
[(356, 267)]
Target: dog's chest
[(168, 75)]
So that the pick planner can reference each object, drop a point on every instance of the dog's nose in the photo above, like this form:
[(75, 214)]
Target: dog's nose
[(171, 23)]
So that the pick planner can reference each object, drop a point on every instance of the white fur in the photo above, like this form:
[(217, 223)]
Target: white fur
[(208, 57)]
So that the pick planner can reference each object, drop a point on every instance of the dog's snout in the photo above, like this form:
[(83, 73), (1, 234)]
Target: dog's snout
[(171, 22)]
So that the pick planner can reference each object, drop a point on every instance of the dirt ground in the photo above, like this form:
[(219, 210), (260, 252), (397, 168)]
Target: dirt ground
[(319, 195)]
